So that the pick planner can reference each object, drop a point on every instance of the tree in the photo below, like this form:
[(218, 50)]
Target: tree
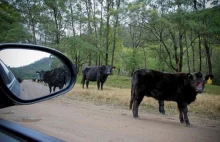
[(108, 4), (11, 26), (56, 8), (116, 24)]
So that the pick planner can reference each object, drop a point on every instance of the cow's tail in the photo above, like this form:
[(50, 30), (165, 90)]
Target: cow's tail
[(132, 94)]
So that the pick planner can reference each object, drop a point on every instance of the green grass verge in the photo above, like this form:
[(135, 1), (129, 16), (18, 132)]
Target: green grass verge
[(112, 81), (212, 89)]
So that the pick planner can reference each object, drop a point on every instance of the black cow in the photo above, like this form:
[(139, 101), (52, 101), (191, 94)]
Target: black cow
[(55, 78), (96, 73), (161, 102), (180, 87)]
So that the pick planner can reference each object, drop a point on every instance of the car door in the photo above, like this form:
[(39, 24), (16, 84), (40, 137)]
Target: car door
[(9, 79)]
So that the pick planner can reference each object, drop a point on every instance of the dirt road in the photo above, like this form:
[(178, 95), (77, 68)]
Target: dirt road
[(32, 90), (73, 120)]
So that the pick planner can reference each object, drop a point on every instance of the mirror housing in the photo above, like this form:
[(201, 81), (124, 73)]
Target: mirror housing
[(7, 98)]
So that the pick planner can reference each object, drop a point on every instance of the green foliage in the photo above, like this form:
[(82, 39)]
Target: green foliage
[(73, 46), (55, 62), (149, 33), (29, 71), (11, 28)]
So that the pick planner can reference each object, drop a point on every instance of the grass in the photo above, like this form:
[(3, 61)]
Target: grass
[(116, 92), (112, 81), (212, 89)]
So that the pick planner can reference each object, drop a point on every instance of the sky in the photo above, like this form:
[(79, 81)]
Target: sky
[(21, 57)]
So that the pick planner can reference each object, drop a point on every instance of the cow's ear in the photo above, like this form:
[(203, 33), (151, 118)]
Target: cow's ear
[(190, 76), (103, 67)]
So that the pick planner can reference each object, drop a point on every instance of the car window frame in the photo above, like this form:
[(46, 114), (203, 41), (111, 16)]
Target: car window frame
[(8, 73)]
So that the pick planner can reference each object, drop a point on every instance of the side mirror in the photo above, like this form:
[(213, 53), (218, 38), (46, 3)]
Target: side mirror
[(32, 73)]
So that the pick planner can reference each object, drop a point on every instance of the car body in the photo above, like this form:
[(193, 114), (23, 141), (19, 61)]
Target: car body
[(9, 79)]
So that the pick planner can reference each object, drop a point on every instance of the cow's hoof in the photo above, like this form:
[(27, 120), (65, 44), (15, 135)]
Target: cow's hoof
[(187, 124), (136, 117), (162, 112), (182, 121)]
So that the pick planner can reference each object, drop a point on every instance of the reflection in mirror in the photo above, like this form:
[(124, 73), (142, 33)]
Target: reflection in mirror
[(31, 74)]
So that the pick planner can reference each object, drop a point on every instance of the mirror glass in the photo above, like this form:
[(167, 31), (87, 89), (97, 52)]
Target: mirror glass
[(30, 74)]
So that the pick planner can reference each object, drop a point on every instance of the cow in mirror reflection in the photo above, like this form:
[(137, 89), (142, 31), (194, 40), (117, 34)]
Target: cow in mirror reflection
[(55, 78), (96, 73), (179, 87)]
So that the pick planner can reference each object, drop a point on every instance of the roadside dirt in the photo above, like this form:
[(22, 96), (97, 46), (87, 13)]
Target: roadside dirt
[(74, 120)]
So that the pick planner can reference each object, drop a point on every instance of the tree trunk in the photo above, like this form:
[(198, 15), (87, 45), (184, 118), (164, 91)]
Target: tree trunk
[(187, 55), (55, 12), (193, 54), (107, 31), (32, 24), (115, 32), (95, 28), (88, 9), (100, 33), (72, 20), (180, 63), (200, 54), (208, 55)]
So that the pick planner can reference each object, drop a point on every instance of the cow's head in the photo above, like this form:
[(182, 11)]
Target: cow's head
[(60, 78), (107, 70), (197, 81)]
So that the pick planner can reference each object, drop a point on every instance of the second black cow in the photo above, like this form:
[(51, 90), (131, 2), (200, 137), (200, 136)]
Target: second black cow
[(55, 78), (180, 87), (96, 73)]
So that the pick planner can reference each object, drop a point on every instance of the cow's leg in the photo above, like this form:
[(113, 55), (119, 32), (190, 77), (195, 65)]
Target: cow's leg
[(183, 116), (54, 88), (137, 100), (180, 113), (83, 81), (185, 111), (102, 83), (50, 88), (87, 84), (98, 84), (132, 98), (161, 106)]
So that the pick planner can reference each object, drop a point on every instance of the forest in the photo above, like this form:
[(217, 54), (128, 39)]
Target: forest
[(165, 35)]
